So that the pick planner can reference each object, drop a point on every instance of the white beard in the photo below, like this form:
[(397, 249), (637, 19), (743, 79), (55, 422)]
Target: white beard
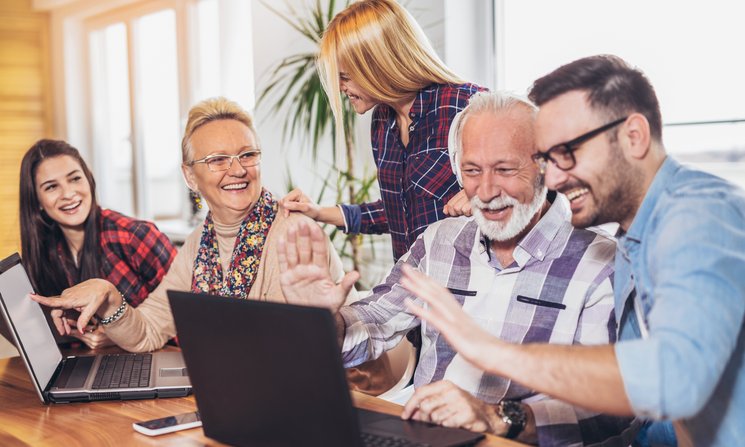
[(519, 220)]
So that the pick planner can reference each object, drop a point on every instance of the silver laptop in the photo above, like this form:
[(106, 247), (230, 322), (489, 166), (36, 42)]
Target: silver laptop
[(80, 378)]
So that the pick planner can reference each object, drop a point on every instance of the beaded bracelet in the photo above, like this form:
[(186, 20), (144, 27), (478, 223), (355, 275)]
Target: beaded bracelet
[(116, 315)]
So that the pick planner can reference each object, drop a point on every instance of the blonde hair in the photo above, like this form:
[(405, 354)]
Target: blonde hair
[(209, 110), (383, 50)]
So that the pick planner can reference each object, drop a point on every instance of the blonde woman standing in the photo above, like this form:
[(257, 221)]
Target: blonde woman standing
[(376, 54)]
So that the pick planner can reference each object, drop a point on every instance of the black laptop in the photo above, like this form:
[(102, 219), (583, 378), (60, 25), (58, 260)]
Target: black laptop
[(270, 374), (80, 378)]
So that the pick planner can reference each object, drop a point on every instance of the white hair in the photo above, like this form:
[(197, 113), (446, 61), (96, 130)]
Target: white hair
[(497, 102)]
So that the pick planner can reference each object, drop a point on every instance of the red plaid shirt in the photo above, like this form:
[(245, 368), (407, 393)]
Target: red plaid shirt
[(136, 255), (415, 181)]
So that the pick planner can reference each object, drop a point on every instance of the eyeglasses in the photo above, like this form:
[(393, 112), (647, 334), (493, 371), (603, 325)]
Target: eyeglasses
[(220, 162), (562, 155)]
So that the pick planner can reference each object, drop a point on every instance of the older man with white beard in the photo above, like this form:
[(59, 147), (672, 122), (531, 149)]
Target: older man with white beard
[(517, 267)]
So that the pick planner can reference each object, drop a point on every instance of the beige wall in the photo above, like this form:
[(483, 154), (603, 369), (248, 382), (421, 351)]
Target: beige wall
[(25, 103)]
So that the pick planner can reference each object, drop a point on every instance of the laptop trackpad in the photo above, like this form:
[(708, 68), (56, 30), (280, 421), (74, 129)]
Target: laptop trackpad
[(173, 372)]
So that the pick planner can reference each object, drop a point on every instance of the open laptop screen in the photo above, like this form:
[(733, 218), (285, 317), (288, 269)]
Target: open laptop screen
[(31, 327)]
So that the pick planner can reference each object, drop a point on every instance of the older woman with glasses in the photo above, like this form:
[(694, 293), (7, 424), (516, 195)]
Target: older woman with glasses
[(233, 253)]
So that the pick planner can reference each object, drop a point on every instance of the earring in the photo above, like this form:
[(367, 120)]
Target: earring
[(196, 199)]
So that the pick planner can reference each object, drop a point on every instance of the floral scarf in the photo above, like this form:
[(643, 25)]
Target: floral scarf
[(208, 275)]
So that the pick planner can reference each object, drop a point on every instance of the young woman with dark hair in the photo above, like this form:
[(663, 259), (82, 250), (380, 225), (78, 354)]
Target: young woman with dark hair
[(67, 238)]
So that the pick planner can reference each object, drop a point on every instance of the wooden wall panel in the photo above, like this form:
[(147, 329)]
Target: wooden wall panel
[(25, 103)]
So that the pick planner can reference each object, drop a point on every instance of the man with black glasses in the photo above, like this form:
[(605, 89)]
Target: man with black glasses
[(680, 265)]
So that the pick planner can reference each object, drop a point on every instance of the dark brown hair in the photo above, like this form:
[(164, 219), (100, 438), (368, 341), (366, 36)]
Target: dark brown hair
[(49, 272), (614, 88)]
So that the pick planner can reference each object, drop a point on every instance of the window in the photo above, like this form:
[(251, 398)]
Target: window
[(686, 51), (131, 72), (111, 116), (135, 99)]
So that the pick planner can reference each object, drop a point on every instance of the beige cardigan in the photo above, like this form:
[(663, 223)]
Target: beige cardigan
[(150, 325)]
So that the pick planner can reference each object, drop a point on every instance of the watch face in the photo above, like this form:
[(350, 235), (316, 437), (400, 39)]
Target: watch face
[(512, 412)]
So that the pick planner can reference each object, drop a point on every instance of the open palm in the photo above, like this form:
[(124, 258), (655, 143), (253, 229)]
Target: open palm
[(305, 277)]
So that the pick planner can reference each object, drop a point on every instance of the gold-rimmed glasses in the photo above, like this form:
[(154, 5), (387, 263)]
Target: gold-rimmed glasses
[(222, 162)]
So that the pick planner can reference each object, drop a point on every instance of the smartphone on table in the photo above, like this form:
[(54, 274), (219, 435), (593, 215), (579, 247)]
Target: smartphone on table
[(168, 424)]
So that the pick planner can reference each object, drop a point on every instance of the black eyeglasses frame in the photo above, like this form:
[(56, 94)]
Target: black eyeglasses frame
[(568, 148)]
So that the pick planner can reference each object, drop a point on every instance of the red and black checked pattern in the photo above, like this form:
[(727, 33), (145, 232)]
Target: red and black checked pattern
[(136, 255)]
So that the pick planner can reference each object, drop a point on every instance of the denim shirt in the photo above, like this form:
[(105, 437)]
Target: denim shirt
[(681, 265)]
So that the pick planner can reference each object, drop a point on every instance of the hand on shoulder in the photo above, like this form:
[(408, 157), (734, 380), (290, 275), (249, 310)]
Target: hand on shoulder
[(296, 201), (458, 205)]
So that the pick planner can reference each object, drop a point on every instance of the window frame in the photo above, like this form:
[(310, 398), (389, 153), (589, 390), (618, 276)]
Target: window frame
[(499, 66), (184, 54), (70, 22)]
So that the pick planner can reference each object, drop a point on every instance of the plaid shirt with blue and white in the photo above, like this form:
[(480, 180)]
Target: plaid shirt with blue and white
[(416, 180), (557, 290)]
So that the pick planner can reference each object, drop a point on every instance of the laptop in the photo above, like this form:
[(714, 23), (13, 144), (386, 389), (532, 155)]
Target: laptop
[(270, 374), (80, 378)]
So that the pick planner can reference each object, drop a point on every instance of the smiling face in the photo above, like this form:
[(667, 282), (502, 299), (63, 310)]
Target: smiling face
[(499, 177), (603, 185), (360, 100), (230, 194), (63, 191)]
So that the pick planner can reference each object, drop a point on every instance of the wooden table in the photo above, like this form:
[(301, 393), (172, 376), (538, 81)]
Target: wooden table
[(24, 420)]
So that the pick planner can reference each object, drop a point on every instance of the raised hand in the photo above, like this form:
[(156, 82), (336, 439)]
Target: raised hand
[(88, 297), (447, 316), (458, 205), (305, 277)]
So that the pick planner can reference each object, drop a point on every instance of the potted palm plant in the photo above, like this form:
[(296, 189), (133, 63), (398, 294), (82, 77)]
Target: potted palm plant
[(296, 93)]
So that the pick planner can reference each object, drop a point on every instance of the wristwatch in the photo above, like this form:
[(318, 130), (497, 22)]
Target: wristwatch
[(513, 415)]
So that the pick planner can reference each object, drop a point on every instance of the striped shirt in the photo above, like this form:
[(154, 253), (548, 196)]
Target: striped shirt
[(416, 180), (558, 290)]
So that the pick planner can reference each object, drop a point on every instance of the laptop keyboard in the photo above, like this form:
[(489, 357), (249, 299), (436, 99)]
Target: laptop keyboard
[(371, 440), (123, 371)]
